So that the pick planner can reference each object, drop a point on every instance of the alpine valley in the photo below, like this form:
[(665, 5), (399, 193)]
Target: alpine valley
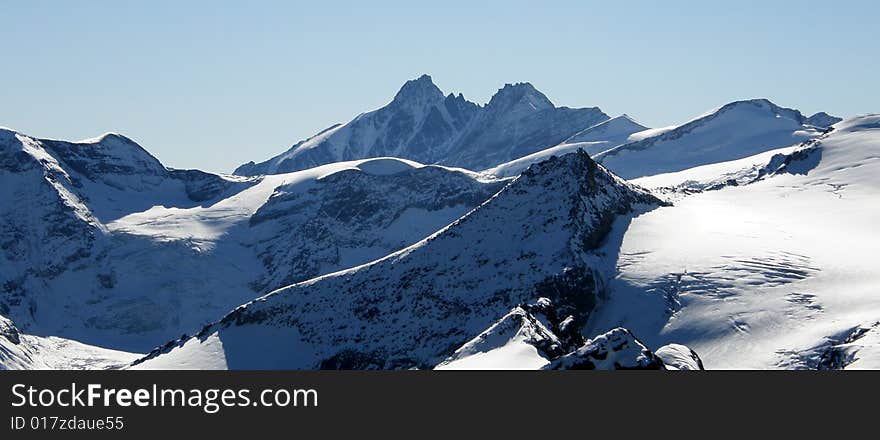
[(438, 233)]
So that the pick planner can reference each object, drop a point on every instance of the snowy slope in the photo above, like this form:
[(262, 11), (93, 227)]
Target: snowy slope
[(734, 131), (707, 176), (102, 244), (422, 124), (518, 341), (67, 273), (413, 308), (19, 351), (780, 273), (595, 139)]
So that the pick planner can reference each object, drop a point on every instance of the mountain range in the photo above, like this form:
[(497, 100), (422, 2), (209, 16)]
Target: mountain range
[(423, 125), (103, 244), (407, 310), (438, 233)]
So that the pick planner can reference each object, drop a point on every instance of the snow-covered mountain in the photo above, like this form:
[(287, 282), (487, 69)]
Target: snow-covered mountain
[(776, 272), (357, 212), (535, 238), (595, 139), (103, 244), (423, 125), (753, 244), (58, 251), (734, 131)]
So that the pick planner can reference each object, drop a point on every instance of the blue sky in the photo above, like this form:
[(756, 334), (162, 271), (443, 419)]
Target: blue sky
[(215, 84)]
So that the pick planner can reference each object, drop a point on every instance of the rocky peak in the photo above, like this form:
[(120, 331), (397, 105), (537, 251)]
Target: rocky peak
[(617, 349), (419, 91), (9, 331), (592, 179), (519, 96)]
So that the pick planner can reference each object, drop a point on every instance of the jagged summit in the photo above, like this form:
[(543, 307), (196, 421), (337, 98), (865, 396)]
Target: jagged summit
[(537, 336), (820, 119), (522, 93), (421, 90), (423, 125), (383, 262)]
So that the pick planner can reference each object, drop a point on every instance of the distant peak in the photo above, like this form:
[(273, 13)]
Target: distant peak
[(518, 89), (421, 89), (454, 97), (108, 137), (526, 86), (624, 119), (763, 104), (758, 102), (822, 120), (512, 94)]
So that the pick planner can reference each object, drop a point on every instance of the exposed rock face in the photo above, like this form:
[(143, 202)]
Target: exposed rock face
[(534, 336), (8, 331), (617, 349)]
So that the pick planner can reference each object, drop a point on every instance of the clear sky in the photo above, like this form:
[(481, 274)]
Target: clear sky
[(211, 84)]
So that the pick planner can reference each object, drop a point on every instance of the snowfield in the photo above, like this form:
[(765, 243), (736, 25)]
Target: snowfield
[(764, 275)]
